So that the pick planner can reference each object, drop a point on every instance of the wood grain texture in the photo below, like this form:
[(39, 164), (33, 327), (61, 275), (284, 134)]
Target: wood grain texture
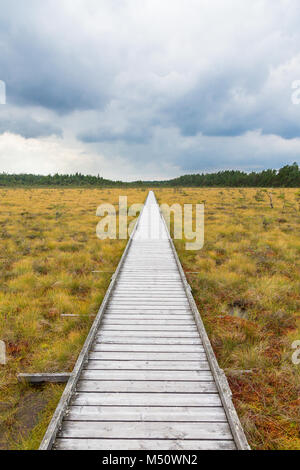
[(172, 348), (145, 386), (182, 375), (147, 365), (147, 413), (142, 444), (145, 430), (147, 399)]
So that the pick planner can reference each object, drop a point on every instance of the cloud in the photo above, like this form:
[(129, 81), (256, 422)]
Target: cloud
[(29, 128), (161, 88), (50, 155)]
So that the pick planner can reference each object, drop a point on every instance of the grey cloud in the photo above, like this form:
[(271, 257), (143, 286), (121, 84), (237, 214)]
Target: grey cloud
[(210, 108), (29, 128), (48, 71), (132, 136)]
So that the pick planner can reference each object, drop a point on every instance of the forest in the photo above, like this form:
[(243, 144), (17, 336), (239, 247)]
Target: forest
[(286, 177)]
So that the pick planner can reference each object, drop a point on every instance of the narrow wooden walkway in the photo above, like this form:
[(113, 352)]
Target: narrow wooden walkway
[(147, 377)]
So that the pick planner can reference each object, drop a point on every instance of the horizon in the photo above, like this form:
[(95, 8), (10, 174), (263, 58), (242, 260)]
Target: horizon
[(153, 180)]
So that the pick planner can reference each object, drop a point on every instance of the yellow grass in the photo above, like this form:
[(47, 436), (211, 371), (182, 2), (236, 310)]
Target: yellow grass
[(248, 293), (48, 251)]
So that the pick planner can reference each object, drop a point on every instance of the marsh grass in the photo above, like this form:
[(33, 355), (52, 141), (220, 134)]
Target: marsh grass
[(48, 250), (248, 293)]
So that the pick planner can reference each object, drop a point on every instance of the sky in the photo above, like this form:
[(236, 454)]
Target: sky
[(149, 89)]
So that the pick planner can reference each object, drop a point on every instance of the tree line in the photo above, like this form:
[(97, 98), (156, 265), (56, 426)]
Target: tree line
[(288, 177)]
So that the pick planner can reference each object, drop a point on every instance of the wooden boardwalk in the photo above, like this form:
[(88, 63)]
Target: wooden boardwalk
[(147, 377)]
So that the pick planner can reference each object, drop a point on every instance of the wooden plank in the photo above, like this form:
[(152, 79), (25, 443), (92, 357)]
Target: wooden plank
[(145, 266), (146, 399), (147, 356), (149, 327), (163, 294), (149, 413), (161, 311), (169, 302), (153, 276), (147, 290), (145, 386), (152, 279), (61, 377), (149, 301), (176, 348), (151, 284), (145, 272), (148, 269), (148, 365), (142, 444), (184, 376), (116, 339), (148, 266), (150, 334), (147, 297), (146, 430), (144, 291), (153, 307), (147, 321), (149, 306)]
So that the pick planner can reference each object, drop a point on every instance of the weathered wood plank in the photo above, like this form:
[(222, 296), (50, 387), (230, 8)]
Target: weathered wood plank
[(146, 399), (142, 444), (152, 306), (150, 334), (148, 365), (113, 317), (142, 430), (178, 375), (145, 386), (167, 311), (116, 339), (167, 303), (148, 321), (125, 299), (149, 413), (150, 327), (151, 284), (147, 356), (61, 377), (176, 348)]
